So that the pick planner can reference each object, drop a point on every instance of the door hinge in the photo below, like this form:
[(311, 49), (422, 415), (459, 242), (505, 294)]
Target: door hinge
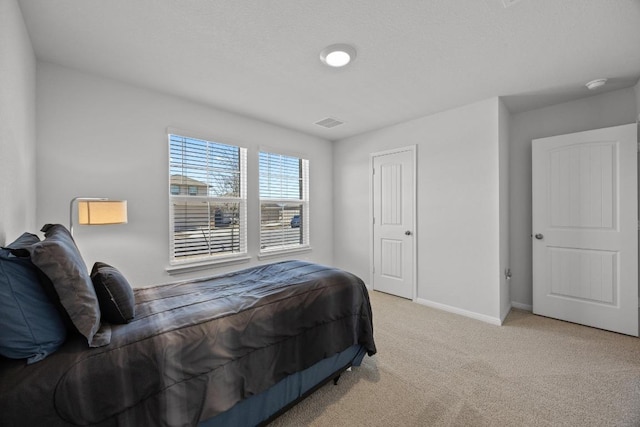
[(638, 147), (374, 169), (374, 222), (639, 225)]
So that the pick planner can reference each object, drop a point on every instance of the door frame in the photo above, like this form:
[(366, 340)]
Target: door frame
[(414, 261)]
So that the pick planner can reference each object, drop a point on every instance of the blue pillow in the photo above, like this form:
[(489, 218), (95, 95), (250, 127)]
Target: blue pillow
[(22, 242), (30, 325)]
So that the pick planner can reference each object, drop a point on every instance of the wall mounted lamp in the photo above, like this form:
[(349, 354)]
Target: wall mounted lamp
[(98, 211)]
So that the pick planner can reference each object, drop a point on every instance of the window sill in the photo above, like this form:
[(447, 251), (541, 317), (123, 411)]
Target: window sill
[(283, 252), (188, 267)]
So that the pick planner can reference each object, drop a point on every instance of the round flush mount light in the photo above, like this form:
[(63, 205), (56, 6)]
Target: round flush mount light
[(595, 84), (338, 55)]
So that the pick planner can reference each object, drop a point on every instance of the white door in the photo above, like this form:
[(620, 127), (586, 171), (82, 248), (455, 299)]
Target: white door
[(393, 222), (585, 228)]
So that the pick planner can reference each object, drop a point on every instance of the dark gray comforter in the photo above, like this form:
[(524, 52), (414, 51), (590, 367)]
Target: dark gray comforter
[(194, 349)]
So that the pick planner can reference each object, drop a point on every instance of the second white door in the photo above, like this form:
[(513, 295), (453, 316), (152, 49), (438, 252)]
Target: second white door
[(393, 223), (585, 241)]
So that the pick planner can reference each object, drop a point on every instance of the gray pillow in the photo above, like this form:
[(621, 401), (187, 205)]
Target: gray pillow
[(59, 259), (117, 303)]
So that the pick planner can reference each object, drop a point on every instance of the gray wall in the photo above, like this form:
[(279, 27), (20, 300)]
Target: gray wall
[(599, 111), (17, 125), (102, 138), (504, 120), (458, 205), (637, 90)]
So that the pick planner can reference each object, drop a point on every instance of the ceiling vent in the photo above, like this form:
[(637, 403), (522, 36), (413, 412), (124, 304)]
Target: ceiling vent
[(508, 3), (329, 123)]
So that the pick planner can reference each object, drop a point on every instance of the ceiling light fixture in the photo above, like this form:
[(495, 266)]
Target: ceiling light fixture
[(595, 84), (338, 55)]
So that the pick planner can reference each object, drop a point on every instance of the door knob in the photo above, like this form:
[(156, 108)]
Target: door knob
[(407, 233), (539, 236)]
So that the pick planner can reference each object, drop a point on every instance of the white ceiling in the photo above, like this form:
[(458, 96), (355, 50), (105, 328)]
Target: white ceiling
[(261, 58)]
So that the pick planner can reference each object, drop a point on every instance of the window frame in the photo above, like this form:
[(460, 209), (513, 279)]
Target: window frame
[(304, 201), (176, 264)]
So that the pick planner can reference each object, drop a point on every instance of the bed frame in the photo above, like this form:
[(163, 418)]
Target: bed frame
[(263, 408)]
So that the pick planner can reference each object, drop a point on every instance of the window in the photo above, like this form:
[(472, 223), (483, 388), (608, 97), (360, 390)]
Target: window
[(284, 202), (207, 200)]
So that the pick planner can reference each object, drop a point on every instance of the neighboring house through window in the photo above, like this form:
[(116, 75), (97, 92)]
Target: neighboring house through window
[(284, 202), (207, 200), (184, 185)]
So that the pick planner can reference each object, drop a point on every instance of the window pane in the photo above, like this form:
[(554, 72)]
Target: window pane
[(204, 175), (281, 225), (212, 167), (283, 222), (280, 177), (203, 228)]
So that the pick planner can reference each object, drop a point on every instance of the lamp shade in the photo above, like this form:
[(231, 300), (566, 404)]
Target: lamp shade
[(102, 212)]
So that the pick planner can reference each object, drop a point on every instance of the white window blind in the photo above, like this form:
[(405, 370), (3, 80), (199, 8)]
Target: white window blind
[(207, 199), (284, 202)]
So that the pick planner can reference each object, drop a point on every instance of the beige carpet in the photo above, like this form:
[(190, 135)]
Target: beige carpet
[(438, 369)]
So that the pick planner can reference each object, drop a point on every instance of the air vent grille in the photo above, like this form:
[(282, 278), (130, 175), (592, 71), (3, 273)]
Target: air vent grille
[(329, 122), (508, 3)]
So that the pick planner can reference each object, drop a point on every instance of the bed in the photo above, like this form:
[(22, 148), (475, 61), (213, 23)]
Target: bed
[(235, 349)]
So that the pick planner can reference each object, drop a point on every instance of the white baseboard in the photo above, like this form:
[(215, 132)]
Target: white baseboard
[(460, 311), (521, 306)]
